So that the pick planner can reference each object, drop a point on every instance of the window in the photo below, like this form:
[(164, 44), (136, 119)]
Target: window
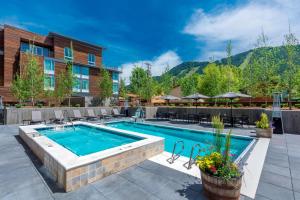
[(68, 53), (82, 79), (35, 49), (115, 88), (91, 59), (49, 71), (115, 76)]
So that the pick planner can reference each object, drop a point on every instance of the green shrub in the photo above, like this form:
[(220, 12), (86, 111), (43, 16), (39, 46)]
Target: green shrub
[(237, 105), (77, 105), (18, 105), (39, 105), (297, 105), (263, 122), (264, 105), (284, 105)]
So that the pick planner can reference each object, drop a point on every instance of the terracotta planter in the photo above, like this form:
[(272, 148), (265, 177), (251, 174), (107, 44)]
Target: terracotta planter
[(266, 133), (216, 188)]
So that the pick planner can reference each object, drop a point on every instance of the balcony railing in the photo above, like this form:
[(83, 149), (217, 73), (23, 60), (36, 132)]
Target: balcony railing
[(113, 68)]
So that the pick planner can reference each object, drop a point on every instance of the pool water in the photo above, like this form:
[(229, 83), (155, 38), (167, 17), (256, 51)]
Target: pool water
[(189, 137), (86, 139)]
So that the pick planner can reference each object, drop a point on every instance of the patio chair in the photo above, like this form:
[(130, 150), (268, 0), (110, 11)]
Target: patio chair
[(58, 117), (116, 113), (104, 114), (91, 115), (203, 117), (77, 116), (36, 118)]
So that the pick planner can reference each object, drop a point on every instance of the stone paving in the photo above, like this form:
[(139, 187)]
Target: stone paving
[(23, 177)]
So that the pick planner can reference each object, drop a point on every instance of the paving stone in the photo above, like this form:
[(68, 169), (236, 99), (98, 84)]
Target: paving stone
[(109, 184), (274, 192), (275, 179), (296, 184), (297, 195), (284, 171), (259, 197), (85, 192)]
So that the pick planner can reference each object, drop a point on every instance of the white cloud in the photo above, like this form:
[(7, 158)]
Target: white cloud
[(242, 24), (158, 64)]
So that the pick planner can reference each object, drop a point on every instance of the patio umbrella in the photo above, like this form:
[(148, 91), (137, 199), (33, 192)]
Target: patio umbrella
[(231, 96), (168, 98), (196, 97)]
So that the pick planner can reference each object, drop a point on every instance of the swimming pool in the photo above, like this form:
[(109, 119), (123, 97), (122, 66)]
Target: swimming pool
[(190, 137), (85, 140)]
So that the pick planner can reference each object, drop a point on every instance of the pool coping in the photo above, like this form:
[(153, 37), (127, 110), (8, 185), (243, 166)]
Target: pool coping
[(237, 160), (71, 171), (70, 160)]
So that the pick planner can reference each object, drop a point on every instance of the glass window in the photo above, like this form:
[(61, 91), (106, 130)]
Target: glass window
[(115, 88), (24, 47), (115, 76), (91, 59), (48, 65), (49, 71), (37, 50), (82, 78), (68, 53), (49, 82)]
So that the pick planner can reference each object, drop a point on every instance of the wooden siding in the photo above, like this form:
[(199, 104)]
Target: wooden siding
[(13, 59)]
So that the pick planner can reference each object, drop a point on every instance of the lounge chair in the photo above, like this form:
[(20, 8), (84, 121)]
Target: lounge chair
[(36, 118), (77, 116), (58, 117), (116, 113), (91, 115), (104, 114)]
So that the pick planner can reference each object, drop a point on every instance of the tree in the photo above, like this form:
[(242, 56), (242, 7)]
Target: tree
[(33, 77), (105, 85), (123, 90), (292, 68), (60, 89), (261, 73), (138, 81), (18, 88), (230, 79), (210, 80), (189, 84), (166, 81), (69, 81), (69, 78)]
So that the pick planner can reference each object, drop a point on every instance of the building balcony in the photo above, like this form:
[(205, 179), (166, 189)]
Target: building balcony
[(113, 68)]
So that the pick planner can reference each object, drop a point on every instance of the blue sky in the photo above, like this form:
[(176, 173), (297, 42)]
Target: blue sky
[(160, 32)]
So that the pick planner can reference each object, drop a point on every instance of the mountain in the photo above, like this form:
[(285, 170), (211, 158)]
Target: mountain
[(239, 60)]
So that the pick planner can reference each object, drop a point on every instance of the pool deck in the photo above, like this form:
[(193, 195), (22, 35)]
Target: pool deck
[(23, 177)]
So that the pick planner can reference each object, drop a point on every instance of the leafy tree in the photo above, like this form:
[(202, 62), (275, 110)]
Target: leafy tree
[(18, 88), (138, 81), (123, 90), (69, 81), (60, 89), (33, 77), (105, 85), (231, 79), (189, 84), (261, 73), (210, 80), (69, 78), (292, 68), (166, 81)]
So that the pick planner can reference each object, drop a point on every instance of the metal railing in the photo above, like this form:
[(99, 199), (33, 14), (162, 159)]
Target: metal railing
[(177, 155), (192, 159)]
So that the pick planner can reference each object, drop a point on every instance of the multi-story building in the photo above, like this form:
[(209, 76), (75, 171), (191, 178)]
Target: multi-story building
[(52, 51)]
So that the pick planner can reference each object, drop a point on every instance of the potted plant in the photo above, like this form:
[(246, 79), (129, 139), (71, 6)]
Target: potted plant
[(263, 128), (221, 177)]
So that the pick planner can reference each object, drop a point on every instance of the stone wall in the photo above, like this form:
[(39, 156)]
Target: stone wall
[(290, 117), (74, 178)]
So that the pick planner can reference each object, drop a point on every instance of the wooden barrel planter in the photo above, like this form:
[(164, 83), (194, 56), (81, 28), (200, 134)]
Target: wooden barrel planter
[(216, 188)]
